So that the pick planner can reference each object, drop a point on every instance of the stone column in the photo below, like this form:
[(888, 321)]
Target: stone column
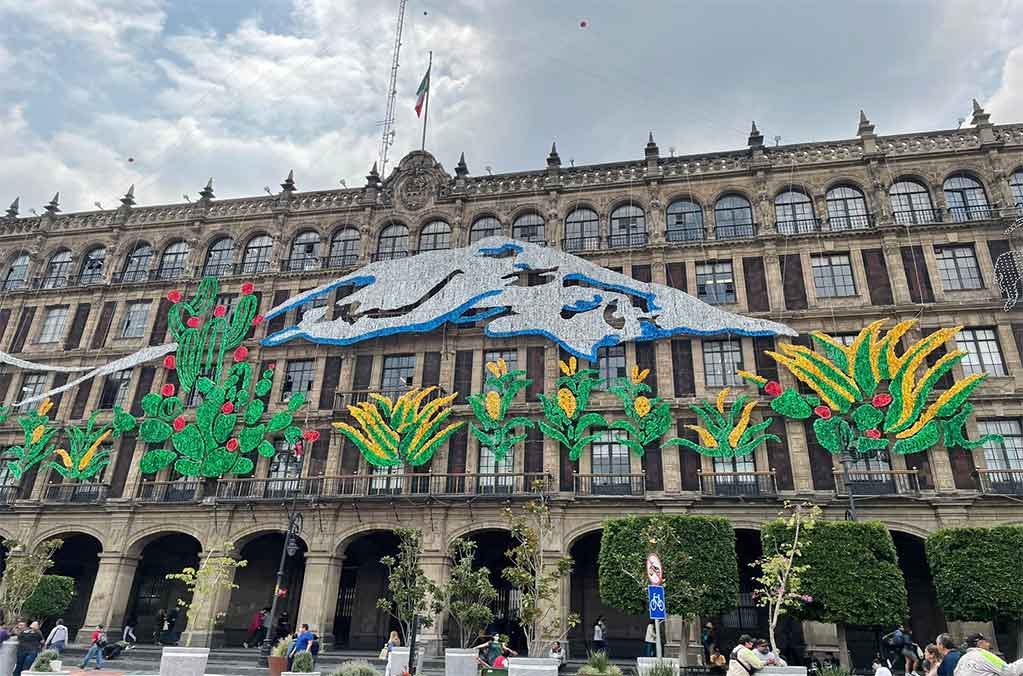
[(110, 595), (431, 639), (318, 604), (202, 631)]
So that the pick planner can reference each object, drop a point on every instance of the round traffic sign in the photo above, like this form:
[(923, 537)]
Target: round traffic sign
[(654, 570)]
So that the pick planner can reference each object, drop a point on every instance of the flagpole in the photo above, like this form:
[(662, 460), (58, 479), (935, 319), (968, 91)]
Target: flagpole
[(426, 105)]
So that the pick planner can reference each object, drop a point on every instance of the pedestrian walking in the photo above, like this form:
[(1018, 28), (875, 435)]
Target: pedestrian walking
[(303, 642), (30, 641), (128, 635), (931, 660), (258, 627), (650, 641), (57, 640), (708, 638), (283, 626), (160, 628), (978, 660), (172, 623), (949, 655), (99, 641), (743, 660), (599, 638)]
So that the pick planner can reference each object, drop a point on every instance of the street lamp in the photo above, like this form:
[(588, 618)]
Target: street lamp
[(848, 457)]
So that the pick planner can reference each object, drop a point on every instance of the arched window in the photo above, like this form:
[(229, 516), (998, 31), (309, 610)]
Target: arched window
[(793, 213), (393, 243), (435, 236), (92, 266), (58, 270), (529, 228), (136, 265), (172, 263), (628, 226), (847, 209), (685, 221), (17, 273), (256, 258), (219, 258), (305, 252), (484, 226), (1016, 186), (966, 199), (344, 248), (733, 218), (582, 230), (911, 203)]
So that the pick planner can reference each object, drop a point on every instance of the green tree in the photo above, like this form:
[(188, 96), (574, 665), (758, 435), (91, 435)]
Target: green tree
[(408, 588), (213, 578), (537, 576), (468, 593), (852, 572), (51, 598), (22, 573), (977, 573)]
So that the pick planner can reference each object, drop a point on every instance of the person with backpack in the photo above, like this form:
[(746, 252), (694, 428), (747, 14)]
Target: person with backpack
[(744, 660), (978, 660), (99, 641), (57, 640)]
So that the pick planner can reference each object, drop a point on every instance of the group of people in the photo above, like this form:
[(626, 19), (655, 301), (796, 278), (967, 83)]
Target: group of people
[(748, 656), (31, 643), (945, 657), (493, 651)]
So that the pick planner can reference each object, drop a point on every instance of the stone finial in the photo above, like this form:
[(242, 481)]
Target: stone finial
[(289, 182), (980, 118), (554, 160), (129, 197), (12, 211), (54, 206), (756, 139), (865, 126), (461, 169), (651, 149), (373, 177), (207, 192)]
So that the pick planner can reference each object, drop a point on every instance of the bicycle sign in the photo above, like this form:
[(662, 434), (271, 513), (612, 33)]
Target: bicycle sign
[(656, 603)]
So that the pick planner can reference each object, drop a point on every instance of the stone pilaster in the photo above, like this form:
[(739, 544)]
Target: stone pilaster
[(318, 603), (110, 594)]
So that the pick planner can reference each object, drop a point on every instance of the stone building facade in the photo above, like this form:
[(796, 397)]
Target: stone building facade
[(819, 236)]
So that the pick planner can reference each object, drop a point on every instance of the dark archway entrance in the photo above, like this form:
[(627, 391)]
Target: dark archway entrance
[(491, 552), (926, 619), (78, 558), (625, 632), (358, 623), (256, 586), (152, 591)]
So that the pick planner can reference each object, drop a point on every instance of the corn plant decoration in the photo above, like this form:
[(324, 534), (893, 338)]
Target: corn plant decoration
[(868, 397), (649, 419), (496, 431), (406, 431), (566, 417), (726, 435)]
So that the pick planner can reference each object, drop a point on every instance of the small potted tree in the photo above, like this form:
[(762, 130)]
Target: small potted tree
[(466, 599), (48, 662), (278, 660), (302, 663), (408, 597)]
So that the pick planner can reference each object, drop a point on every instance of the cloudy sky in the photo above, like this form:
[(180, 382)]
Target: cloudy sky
[(98, 94)]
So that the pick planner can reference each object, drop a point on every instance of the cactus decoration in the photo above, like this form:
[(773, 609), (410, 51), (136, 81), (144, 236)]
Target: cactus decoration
[(496, 430), (566, 417)]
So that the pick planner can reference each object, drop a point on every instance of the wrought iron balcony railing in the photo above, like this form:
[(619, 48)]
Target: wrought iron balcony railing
[(735, 231), (391, 255), (691, 233), (380, 485), (971, 212), (340, 261), (1000, 481), (627, 240), (8, 494), (76, 493), (179, 491), (877, 482), (848, 222), (738, 484), (918, 216), (587, 485), (799, 226), (588, 243)]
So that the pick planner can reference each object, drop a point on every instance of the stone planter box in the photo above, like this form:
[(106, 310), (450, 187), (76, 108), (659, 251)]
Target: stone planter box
[(533, 666), (8, 654), (300, 673), (397, 661), (645, 664), (460, 662), (782, 671), (46, 673), (178, 661), (277, 664)]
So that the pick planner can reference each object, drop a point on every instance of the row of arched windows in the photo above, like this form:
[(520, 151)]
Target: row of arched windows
[(794, 211)]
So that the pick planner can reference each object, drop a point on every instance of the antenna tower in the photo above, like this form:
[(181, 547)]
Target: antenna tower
[(392, 91)]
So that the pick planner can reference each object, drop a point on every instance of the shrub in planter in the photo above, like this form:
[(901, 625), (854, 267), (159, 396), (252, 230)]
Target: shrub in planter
[(52, 596), (356, 668), (662, 668), (302, 663), (597, 664), (42, 662)]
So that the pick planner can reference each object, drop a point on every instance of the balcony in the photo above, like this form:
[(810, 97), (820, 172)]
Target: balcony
[(735, 231), (589, 243), (877, 482), (799, 226), (918, 216), (738, 484), (76, 493), (300, 264), (599, 485), (253, 267), (694, 233), (51, 282), (170, 492), (391, 255), (8, 494), (848, 222), (972, 212), (627, 240), (340, 261), (382, 485), (997, 481), (344, 399)]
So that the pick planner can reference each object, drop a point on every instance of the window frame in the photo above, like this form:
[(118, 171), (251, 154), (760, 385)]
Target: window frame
[(794, 213), (1001, 455), (393, 373), (435, 236), (692, 229), (114, 392), (966, 198), (911, 207), (733, 217), (582, 230), (219, 259), (296, 372), (304, 261), (141, 319), (58, 278), (49, 334), (393, 242), (173, 260), (93, 266), (847, 208), (340, 256), (952, 273), (713, 280), (627, 226), (257, 254), (485, 226), (977, 355), (535, 223), (19, 264), (40, 381), (715, 354), (612, 357), (830, 280)]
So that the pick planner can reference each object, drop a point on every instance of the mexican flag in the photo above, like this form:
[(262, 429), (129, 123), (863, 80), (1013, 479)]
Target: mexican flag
[(424, 89)]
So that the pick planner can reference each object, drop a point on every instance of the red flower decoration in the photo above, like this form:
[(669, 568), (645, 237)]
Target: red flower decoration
[(228, 407), (174, 296), (170, 362), (247, 288), (822, 412), (772, 388), (873, 434), (272, 365), (257, 320), (298, 449), (220, 311), (178, 424), (311, 435), (881, 400), (232, 445), (193, 322), (241, 353), (167, 390)]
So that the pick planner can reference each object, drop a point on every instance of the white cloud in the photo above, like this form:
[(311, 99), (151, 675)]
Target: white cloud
[(1006, 104)]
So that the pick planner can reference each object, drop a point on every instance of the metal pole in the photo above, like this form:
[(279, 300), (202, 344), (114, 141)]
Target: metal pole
[(426, 105), (267, 646), (846, 461), (657, 633), (412, 645)]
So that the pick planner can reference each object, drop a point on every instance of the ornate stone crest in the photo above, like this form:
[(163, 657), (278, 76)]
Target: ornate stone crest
[(415, 190)]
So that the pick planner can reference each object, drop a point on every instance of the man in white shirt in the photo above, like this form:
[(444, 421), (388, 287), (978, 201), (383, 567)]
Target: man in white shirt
[(57, 640), (880, 668)]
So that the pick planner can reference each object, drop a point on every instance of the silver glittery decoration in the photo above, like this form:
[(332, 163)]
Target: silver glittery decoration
[(35, 366), (1007, 269), (576, 303)]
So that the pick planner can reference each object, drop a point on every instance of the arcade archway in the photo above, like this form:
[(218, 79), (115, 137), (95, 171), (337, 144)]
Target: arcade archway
[(77, 558), (152, 592), (491, 552), (256, 583), (358, 623)]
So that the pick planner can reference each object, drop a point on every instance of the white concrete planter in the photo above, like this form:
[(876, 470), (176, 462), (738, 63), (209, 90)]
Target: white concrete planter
[(533, 666), (645, 664), (397, 661), (8, 654), (55, 672), (300, 673), (57, 665), (178, 661), (782, 671), (460, 662)]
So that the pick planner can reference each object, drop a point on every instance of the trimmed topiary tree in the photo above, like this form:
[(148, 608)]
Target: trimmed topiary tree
[(852, 573), (977, 572), (51, 598)]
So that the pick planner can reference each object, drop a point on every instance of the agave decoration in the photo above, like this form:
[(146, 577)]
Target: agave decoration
[(867, 396), (401, 432), (726, 435), (496, 431)]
